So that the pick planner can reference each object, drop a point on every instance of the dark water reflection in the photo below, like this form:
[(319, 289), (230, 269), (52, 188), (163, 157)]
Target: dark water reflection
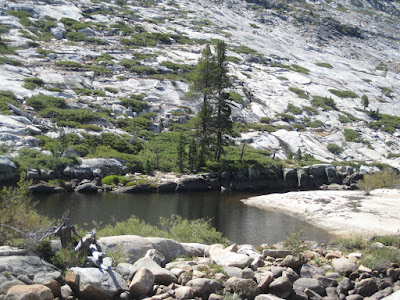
[(240, 223)]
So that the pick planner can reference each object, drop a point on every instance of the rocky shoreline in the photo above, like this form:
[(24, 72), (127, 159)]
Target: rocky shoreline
[(158, 268), (87, 177)]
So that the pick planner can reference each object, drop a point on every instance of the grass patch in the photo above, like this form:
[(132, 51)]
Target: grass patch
[(324, 65), (380, 259), (324, 102), (352, 136), (69, 64), (115, 180), (41, 102), (294, 109), (5, 98), (343, 94), (33, 83), (334, 148), (299, 92)]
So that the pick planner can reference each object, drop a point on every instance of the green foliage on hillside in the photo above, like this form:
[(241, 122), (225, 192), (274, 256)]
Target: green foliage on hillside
[(385, 122), (343, 94), (352, 136), (5, 98), (324, 102)]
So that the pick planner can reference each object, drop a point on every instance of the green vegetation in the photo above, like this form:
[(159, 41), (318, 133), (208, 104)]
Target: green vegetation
[(343, 94), (69, 64), (111, 90), (334, 148), (89, 92), (18, 217), (5, 98), (384, 179), (324, 65), (115, 180), (300, 69), (175, 227), (33, 83), (235, 97), (381, 259), (385, 122), (352, 136), (41, 102), (294, 242), (294, 109), (285, 117), (9, 61), (299, 92), (350, 243), (324, 102), (244, 50)]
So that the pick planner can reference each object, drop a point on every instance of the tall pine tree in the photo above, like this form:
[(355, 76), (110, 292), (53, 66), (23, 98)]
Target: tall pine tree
[(223, 122), (203, 82)]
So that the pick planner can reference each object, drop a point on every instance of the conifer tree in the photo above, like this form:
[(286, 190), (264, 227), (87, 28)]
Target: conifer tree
[(181, 153), (223, 123), (203, 82), (192, 155)]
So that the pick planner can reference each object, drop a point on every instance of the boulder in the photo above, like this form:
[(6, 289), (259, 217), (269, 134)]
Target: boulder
[(184, 292), (291, 261), (193, 249), (265, 281), (309, 271), (290, 178), (303, 178), (25, 265), (366, 287), (171, 249), (318, 175), (345, 285), (309, 283), (156, 256), (29, 292), (42, 188), (132, 246), (7, 169), (33, 174), (142, 282), (66, 291), (167, 187), (139, 188), (94, 283), (108, 166), (281, 287), (229, 259), (246, 288), (162, 276), (86, 188), (203, 287), (192, 183), (50, 280), (7, 281), (344, 266), (276, 253), (267, 297)]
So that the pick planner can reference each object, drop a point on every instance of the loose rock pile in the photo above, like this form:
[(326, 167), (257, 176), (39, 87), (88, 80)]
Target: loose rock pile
[(272, 274)]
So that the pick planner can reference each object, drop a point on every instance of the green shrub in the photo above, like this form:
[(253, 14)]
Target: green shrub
[(69, 64), (111, 90), (41, 102), (343, 94), (299, 92), (89, 92), (381, 259), (9, 61), (350, 243), (68, 258), (300, 69), (378, 180), (114, 180), (315, 124), (6, 98), (294, 109), (32, 83), (324, 65), (235, 97), (385, 122), (244, 50), (310, 110), (334, 148), (324, 102), (18, 211), (389, 240), (265, 120), (285, 117), (352, 136), (294, 242)]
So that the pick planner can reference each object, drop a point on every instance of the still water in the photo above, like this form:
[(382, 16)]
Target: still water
[(240, 223)]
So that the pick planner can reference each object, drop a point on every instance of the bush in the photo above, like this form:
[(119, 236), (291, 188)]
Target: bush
[(5, 98), (324, 102), (343, 94), (114, 180), (32, 83), (300, 69), (41, 102), (294, 242), (334, 148), (381, 259), (235, 97), (294, 109), (68, 258), (384, 179), (324, 65), (285, 117), (299, 92), (17, 213), (9, 61), (352, 136), (69, 64), (350, 243), (175, 227)]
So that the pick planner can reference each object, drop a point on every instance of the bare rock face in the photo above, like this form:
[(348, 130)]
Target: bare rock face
[(142, 282), (29, 292), (203, 287), (247, 288), (229, 259), (94, 283)]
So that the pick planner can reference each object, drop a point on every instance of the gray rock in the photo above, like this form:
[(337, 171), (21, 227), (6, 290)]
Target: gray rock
[(247, 273), (203, 287), (277, 271), (171, 249), (29, 292), (66, 291), (344, 286), (168, 187), (58, 31), (291, 261), (267, 297), (290, 178), (281, 287), (7, 169), (11, 251), (94, 283), (193, 249), (309, 283), (275, 253), (265, 281), (86, 188), (344, 266), (140, 188), (366, 287), (184, 292), (42, 188), (33, 174), (229, 259), (354, 297), (246, 288), (156, 256), (192, 183), (233, 271), (25, 265), (7, 281), (162, 276), (292, 275), (142, 282)]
